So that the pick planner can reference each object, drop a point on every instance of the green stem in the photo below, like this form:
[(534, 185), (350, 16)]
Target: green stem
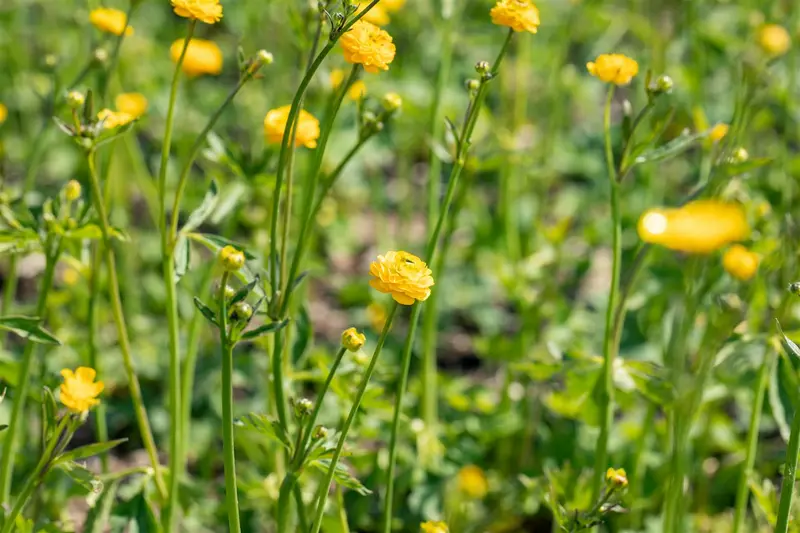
[(637, 475), (333, 176), (228, 452), (790, 470), (122, 328), (609, 348), (23, 384), (322, 493), (114, 59)]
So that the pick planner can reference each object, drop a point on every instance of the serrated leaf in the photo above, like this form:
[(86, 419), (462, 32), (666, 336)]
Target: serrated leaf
[(28, 328), (89, 450), (342, 476), (209, 313), (264, 329), (204, 210), (271, 429)]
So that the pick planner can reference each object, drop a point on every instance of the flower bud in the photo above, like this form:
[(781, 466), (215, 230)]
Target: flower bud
[(320, 432), (241, 311), (794, 288), (303, 407), (75, 99), (353, 340), (101, 55), (482, 67), (72, 190), (617, 478), (50, 60), (473, 85), (231, 258), (718, 132), (228, 292), (739, 155), (264, 58), (663, 85), (392, 102)]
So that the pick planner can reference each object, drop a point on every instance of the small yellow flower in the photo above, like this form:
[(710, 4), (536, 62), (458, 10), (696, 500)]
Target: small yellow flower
[(353, 340), (306, 132), (699, 227), (740, 262), (774, 39), (403, 275), (72, 190), (617, 477), (613, 68), (377, 15), (134, 104), (434, 527), (202, 57), (392, 102), (3, 113), (109, 20), (392, 6), (718, 132), (70, 277), (79, 391), (472, 482), (519, 15), (114, 119), (376, 314), (231, 258), (368, 45), (208, 11)]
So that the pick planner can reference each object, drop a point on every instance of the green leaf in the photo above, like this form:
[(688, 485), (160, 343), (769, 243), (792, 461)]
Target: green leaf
[(98, 515), (203, 211), (264, 329), (182, 257), (242, 293), (87, 231), (28, 328), (782, 394), (218, 243), (80, 475), (731, 169), (88, 451), (342, 476), (49, 413), (134, 516), (671, 149), (271, 429), (210, 315), (651, 380)]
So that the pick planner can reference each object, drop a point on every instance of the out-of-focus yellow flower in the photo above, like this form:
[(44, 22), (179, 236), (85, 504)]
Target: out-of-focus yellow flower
[(377, 15), (376, 314), (202, 57), (519, 15), (392, 6), (79, 391), (392, 102), (306, 132), (114, 119), (718, 132), (613, 68), (336, 78), (698, 227), (70, 277), (617, 477), (403, 275), (353, 340), (740, 262), (134, 104), (434, 527), (208, 11), (3, 113), (72, 190), (357, 89), (472, 482), (774, 39), (368, 45), (109, 20)]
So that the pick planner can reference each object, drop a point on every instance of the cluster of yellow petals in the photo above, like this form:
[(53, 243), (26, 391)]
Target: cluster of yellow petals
[(774, 39), (519, 15), (617, 477), (718, 132), (472, 482), (202, 57), (740, 262), (208, 11), (434, 527), (613, 68), (306, 132), (134, 104), (368, 45), (114, 119), (110, 20), (403, 275), (699, 227), (79, 391)]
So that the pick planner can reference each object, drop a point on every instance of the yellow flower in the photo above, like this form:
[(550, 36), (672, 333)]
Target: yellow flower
[(353, 340), (392, 6), (774, 39), (357, 89), (368, 45), (336, 78), (613, 68), (377, 15), (617, 477), (403, 275), (208, 11), (3, 113), (109, 20), (434, 527), (134, 104), (307, 131), (718, 132), (202, 57), (70, 277), (376, 315), (231, 258), (740, 262), (698, 227), (79, 391), (72, 190), (114, 119), (472, 482), (519, 15)]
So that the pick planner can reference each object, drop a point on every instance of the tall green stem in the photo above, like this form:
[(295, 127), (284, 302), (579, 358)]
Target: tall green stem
[(322, 493), (789, 472), (609, 349)]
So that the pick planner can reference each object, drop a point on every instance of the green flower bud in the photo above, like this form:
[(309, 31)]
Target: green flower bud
[(353, 340), (231, 258), (241, 311)]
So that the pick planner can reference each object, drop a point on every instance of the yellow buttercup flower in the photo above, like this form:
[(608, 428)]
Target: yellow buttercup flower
[(698, 227), (134, 104), (109, 20), (774, 39), (617, 477), (353, 340), (613, 68), (70, 277), (377, 15), (718, 132), (208, 11), (114, 119), (3, 113), (403, 275), (740, 262), (434, 527), (202, 57), (79, 391), (306, 132), (472, 482), (519, 15), (392, 6), (368, 45)]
